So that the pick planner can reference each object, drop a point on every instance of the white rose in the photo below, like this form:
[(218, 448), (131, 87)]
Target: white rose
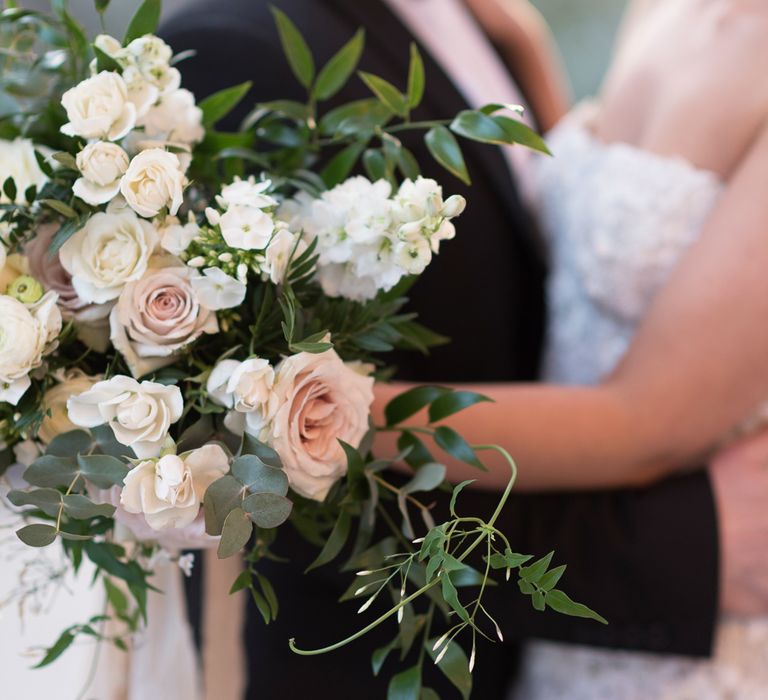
[(284, 247), (140, 414), (176, 118), (102, 164), (168, 492), (26, 333), (151, 56), (246, 193), (55, 402), (321, 401), (99, 108), (142, 93), (216, 290), (154, 180), (17, 160), (247, 228), (107, 253), (251, 387), (175, 237), (218, 381)]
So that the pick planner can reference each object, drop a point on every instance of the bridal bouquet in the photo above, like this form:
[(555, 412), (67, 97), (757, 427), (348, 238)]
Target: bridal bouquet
[(192, 322)]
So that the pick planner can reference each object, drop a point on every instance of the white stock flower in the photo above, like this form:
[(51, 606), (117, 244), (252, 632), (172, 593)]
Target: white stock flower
[(321, 401), (17, 160), (216, 290), (139, 414), (101, 164), (175, 119), (169, 491), (246, 193), (55, 402), (175, 237), (284, 247), (107, 253), (246, 227), (99, 108), (154, 180), (26, 333)]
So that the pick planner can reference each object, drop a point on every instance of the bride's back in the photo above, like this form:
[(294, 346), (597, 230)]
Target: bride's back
[(688, 80)]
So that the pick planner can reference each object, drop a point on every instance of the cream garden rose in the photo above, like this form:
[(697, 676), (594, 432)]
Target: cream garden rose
[(139, 414), (99, 108), (158, 315), (153, 182), (111, 250), (169, 491), (321, 400), (26, 333), (55, 402), (102, 165)]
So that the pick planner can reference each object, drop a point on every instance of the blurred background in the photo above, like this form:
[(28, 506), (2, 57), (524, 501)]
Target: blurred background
[(584, 30)]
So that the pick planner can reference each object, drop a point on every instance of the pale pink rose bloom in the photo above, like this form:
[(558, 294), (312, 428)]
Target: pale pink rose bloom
[(157, 316), (321, 400)]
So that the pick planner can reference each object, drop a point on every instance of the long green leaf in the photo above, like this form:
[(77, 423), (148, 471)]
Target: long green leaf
[(416, 80), (445, 149), (145, 20), (339, 69), (335, 542), (215, 107), (296, 50), (386, 92)]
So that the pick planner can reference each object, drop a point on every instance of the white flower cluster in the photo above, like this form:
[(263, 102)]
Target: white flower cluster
[(144, 109), (368, 238)]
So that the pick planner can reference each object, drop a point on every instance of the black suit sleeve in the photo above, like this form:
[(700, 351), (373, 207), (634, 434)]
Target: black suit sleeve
[(647, 560)]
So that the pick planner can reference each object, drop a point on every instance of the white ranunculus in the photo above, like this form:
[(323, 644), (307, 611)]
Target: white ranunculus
[(284, 247), (217, 290), (247, 228), (26, 333), (154, 181), (111, 250), (55, 402), (175, 237), (169, 491), (321, 401), (99, 108), (17, 160), (176, 119), (139, 414), (246, 193), (102, 164)]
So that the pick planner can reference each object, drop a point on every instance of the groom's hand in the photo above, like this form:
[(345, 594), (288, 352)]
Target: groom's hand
[(740, 482)]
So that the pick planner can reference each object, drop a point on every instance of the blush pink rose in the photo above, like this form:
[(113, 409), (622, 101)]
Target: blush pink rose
[(157, 316), (321, 400)]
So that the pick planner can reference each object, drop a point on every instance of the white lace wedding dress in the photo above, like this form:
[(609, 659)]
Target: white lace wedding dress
[(618, 219)]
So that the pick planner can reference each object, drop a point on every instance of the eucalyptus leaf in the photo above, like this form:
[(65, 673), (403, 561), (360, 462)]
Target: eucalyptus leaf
[(235, 534), (82, 508), (258, 477), (70, 444), (220, 499), (102, 470), (50, 471), (252, 446), (37, 535), (46, 500), (268, 510)]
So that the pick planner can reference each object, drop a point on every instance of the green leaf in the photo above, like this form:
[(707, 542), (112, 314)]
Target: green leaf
[(37, 535), (549, 580), (368, 113), (560, 602), (411, 402), (517, 132), (338, 70), (59, 647), (46, 500), (445, 149), (69, 229), (380, 655), (537, 600), (252, 446), (417, 452), (340, 166), (408, 164), (101, 5), (268, 510), (406, 685), (117, 599), (105, 62), (456, 446), (102, 470), (262, 606), (428, 694), (217, 106), (478, 126), (454, 665), (296, 50), (243, 581), (452, 598), (235, 533), (82, 508), (509, 560), (109, 445), (258, 477), (456, 491), (427, 478), (375, 164), (454, 402), (220, 499), (386, 92), (536, 570), (415, 78), (70, 444), (9, 188), (49, 471), (269, 594), (335, 542), (145, 21)]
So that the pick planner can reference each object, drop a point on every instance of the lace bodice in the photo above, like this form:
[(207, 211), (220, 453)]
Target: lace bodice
[(617, 220)]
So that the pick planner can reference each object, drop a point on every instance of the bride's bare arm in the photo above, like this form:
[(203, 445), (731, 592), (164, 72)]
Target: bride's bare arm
[(697, 367)]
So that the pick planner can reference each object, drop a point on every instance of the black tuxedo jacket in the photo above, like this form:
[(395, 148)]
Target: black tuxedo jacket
[(645, 559)]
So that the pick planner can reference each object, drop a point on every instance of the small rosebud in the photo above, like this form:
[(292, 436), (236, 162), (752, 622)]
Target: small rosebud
[(26, 289), (454, 206), (225, 257), (199, 261), (242, 272)]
